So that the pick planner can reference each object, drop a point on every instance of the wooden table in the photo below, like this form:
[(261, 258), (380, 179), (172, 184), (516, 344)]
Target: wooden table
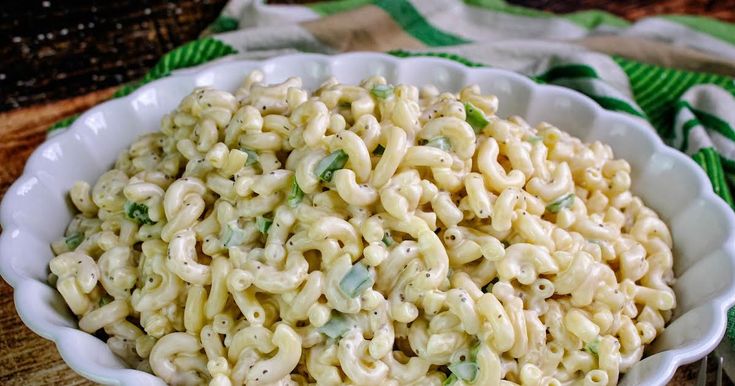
[(27, 359)]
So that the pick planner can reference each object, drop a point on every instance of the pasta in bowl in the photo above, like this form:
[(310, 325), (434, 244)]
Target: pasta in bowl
[(36, 210), (365, 234)]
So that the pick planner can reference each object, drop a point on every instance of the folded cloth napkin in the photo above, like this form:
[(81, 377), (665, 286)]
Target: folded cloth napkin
[(675, 72)]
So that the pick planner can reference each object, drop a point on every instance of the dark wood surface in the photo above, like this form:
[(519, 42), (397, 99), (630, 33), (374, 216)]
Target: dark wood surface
[(52, 49), (60, 58), (635, 9)]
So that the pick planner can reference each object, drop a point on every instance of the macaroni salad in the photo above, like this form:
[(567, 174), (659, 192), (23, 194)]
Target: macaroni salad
[(365, 235)]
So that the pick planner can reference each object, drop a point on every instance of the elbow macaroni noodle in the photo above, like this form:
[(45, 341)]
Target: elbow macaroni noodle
[(365, 235)]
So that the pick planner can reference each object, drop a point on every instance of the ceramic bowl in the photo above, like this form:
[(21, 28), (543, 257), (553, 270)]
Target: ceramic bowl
[(35, 210)]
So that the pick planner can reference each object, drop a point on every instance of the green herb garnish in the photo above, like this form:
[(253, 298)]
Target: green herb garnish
[(138, 212), (593, 347), (73, 241)]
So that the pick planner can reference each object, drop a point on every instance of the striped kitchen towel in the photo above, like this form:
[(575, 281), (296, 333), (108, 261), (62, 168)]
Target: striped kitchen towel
[(674, 71)]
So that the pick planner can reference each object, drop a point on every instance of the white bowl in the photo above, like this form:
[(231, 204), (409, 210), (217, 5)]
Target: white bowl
[(35, 210)]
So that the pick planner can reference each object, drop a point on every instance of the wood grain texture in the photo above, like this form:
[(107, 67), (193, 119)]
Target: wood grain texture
[(52, 49), (25, 358), (637, 9)]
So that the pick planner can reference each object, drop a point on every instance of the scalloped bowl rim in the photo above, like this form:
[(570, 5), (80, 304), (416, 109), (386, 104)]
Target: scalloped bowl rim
[(69, 339)]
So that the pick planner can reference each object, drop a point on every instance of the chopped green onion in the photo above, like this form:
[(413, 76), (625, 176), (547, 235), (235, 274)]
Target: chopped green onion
[(564, 202), (232, 235), (379, 150), (593, 347), (355, 281), (534, 139), (439, 143), (252, 156), (466, 371), (387, 239), (475, 117), (73, 241), (451, 379), (382, 91), (105, 299), (137, 212), (474, 350), (263, 224), (295, 195), (326, 167), (336, 326)]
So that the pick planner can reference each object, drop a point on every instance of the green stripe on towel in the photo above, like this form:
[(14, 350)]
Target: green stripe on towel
[(709, 120), (615, 104), (404, 13), (709, 160), (656, 90), (188, 55)]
